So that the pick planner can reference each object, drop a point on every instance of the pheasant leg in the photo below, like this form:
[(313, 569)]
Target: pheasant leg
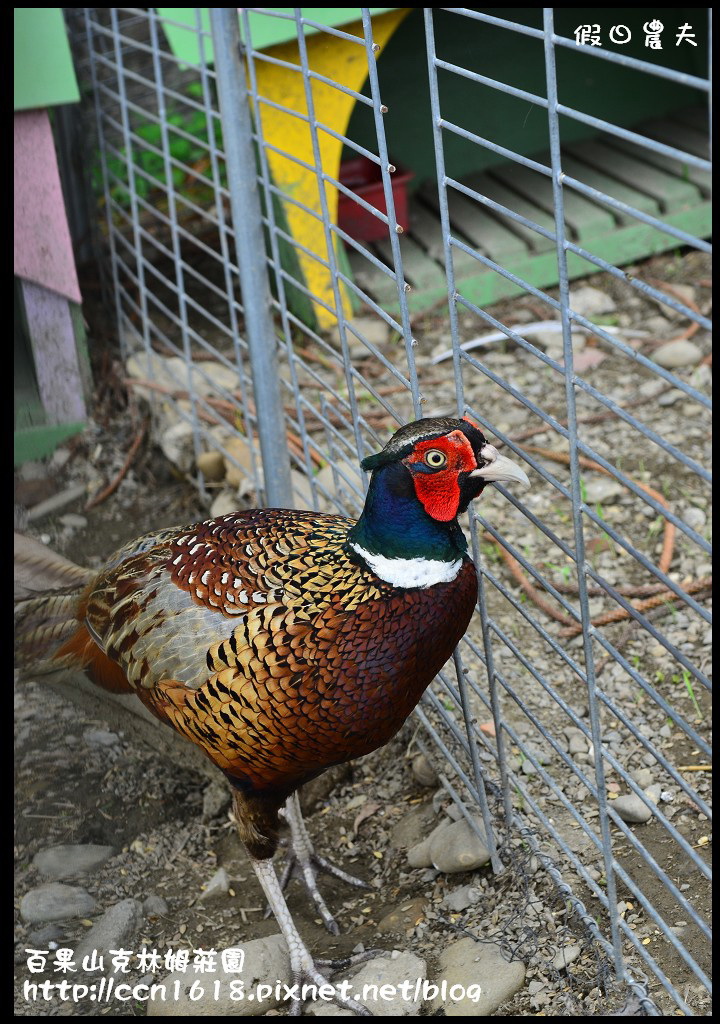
[(302, 853), (302, 965)]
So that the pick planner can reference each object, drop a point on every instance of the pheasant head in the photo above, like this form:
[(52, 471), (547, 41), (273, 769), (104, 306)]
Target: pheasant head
[(425, 476)]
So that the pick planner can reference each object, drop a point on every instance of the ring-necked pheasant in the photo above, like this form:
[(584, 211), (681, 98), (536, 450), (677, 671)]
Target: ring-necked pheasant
[(283, 642)]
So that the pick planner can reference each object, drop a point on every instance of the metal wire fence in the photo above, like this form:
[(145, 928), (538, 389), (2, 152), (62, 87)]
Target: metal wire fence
[(274, 342)]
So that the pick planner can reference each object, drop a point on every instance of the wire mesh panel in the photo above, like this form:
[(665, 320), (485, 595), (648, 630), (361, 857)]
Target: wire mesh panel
[(419, 256)]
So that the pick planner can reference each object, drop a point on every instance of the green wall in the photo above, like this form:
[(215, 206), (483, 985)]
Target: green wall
[(595, 86)]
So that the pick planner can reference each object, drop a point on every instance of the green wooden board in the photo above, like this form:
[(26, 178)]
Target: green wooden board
[(703, 179), (472, 221), (44, 75), (32, 443), (622, 246), (487, 185), (584, 218), (180, 27), (667, 189), (597, 173)]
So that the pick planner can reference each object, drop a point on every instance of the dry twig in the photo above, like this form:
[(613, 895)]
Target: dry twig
[(115, 483)]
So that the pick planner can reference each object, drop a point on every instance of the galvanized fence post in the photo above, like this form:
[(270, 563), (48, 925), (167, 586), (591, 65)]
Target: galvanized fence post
[(250, 249)]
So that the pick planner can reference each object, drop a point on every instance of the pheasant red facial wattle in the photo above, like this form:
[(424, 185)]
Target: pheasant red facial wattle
[(436, 466), (282, 642)]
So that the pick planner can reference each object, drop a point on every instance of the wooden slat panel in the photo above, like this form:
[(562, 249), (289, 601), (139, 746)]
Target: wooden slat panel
[(600, 176), (421, 272), (623, 245), (487, 185), (469, 221), (670, 191), (584, 218), (425, 228), (645, 180), (685, 172), (379, 286), (681, 136)]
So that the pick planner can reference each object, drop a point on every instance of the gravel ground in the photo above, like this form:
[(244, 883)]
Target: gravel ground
[(81, 780)]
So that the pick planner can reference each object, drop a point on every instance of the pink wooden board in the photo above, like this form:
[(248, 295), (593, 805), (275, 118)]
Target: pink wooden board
[(54, 353), (43, 250)]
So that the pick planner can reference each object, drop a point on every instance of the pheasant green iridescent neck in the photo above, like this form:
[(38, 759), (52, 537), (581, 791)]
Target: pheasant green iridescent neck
[(395, 525)]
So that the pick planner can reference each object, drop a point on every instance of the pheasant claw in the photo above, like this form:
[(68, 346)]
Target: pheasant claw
[(304, 969)]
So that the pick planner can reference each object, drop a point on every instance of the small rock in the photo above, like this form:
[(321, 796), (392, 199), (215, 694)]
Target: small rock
[(55, 902), (211, 465), (602, 488), (74, 521), (372, 328), (552, 342), (535, 909), (101, 738), (658, 326), (176, 442), (169, 373), (701, 378), (33, 471), (59, 457), (692, 409), (408, 915), (590, 302), (423, 771), (462, 898), (419, 856), (238, 451), (676, 354), (566, 956), (215, 799), (114, 930), (458, 848), (41, 938), (632, 809), (643, 777), (670, 397), (484, 973), (59, 500), (59, 862), (686, 293), (219, 885), (695, 518), (411, 828), (577, 744), (654, 792), (266, 962), (155, 906), (210, 378), (385, 975), (223, 504)]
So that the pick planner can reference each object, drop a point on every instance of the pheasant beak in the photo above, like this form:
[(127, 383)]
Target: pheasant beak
[(499, 469)]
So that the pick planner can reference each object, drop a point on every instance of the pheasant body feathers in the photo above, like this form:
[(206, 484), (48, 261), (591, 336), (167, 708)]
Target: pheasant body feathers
[(263, 639), (283, 642)]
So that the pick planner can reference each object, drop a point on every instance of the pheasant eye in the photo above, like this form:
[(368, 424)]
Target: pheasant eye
[(435, 459)]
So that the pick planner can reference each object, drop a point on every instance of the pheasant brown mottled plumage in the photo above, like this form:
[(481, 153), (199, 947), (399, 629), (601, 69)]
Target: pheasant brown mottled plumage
[(283, 642), (262, 640)]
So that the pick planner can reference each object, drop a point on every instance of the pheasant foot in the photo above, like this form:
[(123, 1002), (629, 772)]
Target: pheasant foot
[(306, 977), (301, 854)]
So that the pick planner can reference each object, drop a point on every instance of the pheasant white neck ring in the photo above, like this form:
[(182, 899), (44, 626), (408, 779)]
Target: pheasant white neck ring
[(409, 572)]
